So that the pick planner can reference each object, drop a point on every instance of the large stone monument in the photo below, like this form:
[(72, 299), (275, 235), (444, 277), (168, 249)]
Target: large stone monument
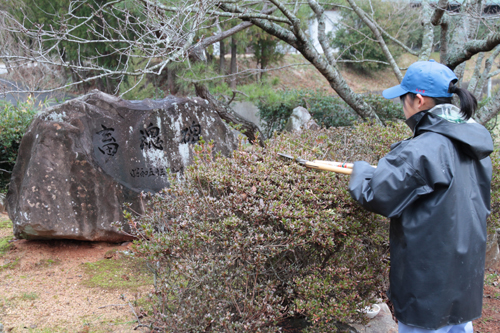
[(80, 161)]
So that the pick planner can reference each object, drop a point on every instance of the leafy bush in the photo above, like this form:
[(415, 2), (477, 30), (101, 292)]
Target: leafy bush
[(244, 242), (385, 109), (14, 120), (328, 110)]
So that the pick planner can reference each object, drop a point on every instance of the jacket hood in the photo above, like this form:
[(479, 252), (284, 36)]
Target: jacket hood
[(472, 138)]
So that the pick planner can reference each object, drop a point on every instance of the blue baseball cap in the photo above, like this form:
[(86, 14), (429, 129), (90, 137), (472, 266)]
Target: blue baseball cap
[(427, 78)]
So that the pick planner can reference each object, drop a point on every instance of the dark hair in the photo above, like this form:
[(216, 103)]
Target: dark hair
[(468, 103)]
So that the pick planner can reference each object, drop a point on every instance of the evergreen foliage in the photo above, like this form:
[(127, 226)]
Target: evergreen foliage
[(14, 120), (356, 42), (137, 87)]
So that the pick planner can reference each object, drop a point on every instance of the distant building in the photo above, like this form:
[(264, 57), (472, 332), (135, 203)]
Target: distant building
[(332, 17)]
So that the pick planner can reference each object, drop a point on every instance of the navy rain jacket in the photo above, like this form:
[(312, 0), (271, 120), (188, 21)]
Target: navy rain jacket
[(435, 187)]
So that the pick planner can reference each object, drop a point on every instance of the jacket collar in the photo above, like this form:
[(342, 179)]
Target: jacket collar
[(413, 121)]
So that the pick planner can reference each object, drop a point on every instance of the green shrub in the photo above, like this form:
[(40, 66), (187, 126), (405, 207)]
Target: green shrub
[(243, 242), (387, 110), (14, 121), (326, 109)]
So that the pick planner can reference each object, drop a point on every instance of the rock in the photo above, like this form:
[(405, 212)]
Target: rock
[(382, 322), (80, 161), (247, 110), (492, 251), (299, 120), (1, 328)]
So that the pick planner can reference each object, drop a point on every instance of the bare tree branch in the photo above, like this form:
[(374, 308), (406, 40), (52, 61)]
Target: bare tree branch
[(395, 40), (473, 83), (299, 41), (479, 80), (280, 32), (490, 110), (473, 47), (363, 16), (443, 49), (439, 12), (241, 16), (226, 113)]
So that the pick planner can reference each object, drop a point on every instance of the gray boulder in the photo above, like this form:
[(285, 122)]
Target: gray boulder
[(299, 120), (80, 161)]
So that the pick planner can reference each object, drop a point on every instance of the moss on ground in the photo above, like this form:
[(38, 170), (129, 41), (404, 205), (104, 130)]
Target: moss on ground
[(122, 273), (9, 265), (29, 296), (48, 262), (5, 223)]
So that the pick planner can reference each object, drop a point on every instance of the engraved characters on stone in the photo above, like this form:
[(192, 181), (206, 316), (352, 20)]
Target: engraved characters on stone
[(148, 172), (191, 134), (108, 146), (150, 138)]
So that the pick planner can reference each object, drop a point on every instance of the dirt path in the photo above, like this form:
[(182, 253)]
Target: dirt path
[(67, 286)]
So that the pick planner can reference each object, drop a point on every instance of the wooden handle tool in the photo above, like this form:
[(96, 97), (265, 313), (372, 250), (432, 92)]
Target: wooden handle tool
[(328, 167), (339, 164), (318, 166)]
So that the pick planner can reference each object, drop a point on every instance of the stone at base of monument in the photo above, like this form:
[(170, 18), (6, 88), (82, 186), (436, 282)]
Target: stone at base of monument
[(382, 322), (80, 161)]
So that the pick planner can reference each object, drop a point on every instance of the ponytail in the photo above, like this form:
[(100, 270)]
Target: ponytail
[(468, 102)]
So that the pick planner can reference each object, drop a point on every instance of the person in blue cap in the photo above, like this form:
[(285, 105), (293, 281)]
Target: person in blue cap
[(435, 188)]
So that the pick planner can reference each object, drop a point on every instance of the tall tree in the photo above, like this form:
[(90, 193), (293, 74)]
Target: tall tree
[(169, 30), (234, 54)]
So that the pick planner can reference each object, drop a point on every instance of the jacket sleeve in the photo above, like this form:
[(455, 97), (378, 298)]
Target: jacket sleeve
[(389, 188)]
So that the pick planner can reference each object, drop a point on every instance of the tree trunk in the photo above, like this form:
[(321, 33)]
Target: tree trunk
[(264, 59), (222, 53), (210, 58), (109, 86), (170, 81), (428, 37), (100, 84), (226, 113), (233, 62)]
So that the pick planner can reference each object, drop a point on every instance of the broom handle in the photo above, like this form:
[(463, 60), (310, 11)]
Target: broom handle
[(328, 167), (337, 164)]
